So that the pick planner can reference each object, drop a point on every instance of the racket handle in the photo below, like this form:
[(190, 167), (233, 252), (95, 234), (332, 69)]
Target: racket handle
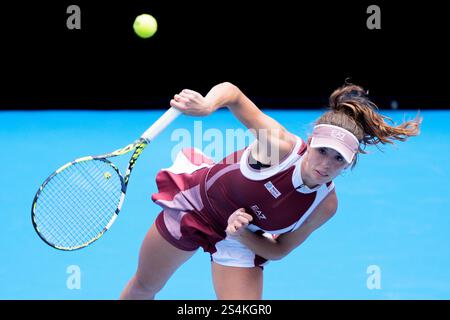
[(161, 124)]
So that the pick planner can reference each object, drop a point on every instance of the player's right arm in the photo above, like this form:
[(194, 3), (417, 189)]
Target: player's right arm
[(274, 141)]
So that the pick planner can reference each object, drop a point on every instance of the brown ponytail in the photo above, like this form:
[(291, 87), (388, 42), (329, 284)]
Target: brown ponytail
[(351, 109)]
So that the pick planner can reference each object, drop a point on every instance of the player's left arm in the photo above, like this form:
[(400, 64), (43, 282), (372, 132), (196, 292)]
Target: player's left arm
[(276, 249), (274, 141)]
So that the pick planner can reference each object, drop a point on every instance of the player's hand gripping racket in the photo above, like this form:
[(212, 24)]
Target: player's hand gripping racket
[(80, 201)]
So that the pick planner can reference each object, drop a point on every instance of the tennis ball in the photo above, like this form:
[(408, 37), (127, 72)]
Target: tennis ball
[(107, 175), (145, 26)]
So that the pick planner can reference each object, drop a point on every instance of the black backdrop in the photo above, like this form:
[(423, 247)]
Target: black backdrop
[(283, 54)]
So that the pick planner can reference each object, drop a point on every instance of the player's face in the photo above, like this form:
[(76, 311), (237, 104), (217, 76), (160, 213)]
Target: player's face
[(322, 165)]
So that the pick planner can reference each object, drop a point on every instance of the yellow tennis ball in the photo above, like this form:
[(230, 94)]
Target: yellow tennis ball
[(145, 26), (107, 175)]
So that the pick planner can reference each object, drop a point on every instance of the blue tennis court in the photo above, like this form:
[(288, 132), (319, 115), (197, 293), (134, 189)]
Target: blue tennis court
[(388, 240)]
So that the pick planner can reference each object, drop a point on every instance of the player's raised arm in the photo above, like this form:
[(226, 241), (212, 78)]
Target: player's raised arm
[(274, 141)]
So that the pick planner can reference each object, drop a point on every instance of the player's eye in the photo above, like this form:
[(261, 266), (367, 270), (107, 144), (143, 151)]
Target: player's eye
[(322, 151), (339, 158)]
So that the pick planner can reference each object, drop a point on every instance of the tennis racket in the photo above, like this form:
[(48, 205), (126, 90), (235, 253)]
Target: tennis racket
[(80, 201)]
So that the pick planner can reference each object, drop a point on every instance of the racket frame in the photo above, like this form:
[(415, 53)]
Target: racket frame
[(137, 146)]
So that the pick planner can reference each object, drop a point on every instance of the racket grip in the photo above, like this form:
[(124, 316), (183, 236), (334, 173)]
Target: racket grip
[(161, 124)]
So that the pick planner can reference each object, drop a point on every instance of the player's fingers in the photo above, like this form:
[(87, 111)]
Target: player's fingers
[(243, 220), (237, 224), (180, 106), (180, 98), (187, 95), (247, 216), (191, 92), (244, 215)]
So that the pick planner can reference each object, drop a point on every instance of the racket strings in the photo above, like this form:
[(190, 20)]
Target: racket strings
[(73, 202), (64, 207), (76, 204), (85, 180)]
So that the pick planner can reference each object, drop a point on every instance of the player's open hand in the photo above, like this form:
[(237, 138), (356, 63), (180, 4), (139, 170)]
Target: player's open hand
[(237, 222), (192, 103)]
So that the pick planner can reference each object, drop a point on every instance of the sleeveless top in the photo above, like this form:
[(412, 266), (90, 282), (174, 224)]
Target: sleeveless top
[(276, 197)]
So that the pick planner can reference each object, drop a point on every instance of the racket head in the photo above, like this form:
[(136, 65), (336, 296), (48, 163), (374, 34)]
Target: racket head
[(78, 203)]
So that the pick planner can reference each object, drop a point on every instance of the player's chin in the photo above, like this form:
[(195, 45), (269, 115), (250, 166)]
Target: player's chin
[(325, 179)]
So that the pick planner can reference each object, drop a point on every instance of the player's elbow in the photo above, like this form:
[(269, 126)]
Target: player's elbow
[(233, 91), (223, 94), (228, 85)]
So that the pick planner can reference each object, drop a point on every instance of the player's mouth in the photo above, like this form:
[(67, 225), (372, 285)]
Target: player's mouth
[(320, 173)]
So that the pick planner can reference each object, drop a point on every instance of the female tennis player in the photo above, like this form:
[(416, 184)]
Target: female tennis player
[(254, 205)]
